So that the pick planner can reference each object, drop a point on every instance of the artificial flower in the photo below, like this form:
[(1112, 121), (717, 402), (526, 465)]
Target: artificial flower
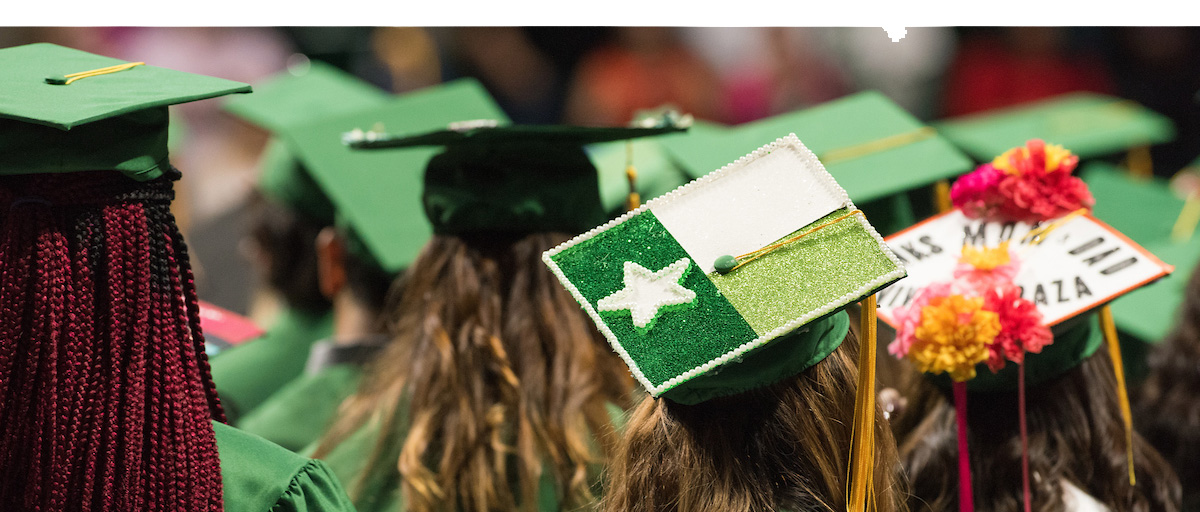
[(909, 317), (984, 269), (953, 336), (1025, 184), (1021, 328)]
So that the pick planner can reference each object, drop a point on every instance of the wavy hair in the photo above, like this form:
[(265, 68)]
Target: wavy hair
[(494, 378), (781, 447), (1075, 434)]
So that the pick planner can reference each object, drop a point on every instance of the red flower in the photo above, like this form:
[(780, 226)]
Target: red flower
[(1021, 328)]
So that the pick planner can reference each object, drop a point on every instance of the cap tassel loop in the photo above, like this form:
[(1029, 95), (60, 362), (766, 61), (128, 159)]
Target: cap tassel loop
[(1114, 352), (69, 79), (942, 196), (862, 454), (635, 199), (966, 498), (1024, 438), (1139, 162)]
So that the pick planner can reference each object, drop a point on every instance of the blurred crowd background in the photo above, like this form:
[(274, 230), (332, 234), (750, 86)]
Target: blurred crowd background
[(602, 75)]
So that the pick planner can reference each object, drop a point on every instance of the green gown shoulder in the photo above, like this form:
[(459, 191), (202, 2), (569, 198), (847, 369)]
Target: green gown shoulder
[(247, 374), (298, 414), (381, 492), (258, 476)]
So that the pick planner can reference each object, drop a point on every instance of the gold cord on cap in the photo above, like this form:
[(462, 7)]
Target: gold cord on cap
[(71, 78), (862, 449), (635, 199), (893, 141)]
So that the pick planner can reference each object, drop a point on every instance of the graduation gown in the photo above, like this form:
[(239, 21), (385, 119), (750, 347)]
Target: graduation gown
[(258, 476), (382, 493), (299, 413), (247, 374)]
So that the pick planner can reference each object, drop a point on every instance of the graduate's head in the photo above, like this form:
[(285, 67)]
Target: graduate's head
[(289, 208), (726, 300), (1005, 310), (107, 398), (486, 344)]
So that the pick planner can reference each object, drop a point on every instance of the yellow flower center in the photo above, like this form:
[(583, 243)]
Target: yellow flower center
[(984, 258)]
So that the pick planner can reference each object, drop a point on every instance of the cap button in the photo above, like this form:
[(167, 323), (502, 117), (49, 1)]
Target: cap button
[(56, 80), (725, 263)]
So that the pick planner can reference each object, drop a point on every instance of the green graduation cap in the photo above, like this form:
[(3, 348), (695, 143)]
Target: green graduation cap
[(872, 146), (657, 171), (1091, 125), (517, 179), (297, 96), (1146, 210), (733, 281), (377, 194), (66, 110)]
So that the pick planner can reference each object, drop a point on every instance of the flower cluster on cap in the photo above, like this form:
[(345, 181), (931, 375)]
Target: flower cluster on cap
[(1025, 184)]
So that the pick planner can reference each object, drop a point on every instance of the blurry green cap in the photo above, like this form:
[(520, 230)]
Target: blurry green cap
[(377, 194), (300, 95), (1091, 125), (66, 110), (871, 145), (513, 179), (1145, 210)]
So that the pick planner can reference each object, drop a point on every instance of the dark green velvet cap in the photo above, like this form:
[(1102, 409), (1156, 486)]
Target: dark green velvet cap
[(377, 194), (517, 179), (300, 95), (1074, 340), (116, 121), (841, 134), (1090, 125)]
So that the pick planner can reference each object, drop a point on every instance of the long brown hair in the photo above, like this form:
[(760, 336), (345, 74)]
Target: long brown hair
[(106, 399), (780, 447), (1168, 403), (1075, 435), (494, 376)]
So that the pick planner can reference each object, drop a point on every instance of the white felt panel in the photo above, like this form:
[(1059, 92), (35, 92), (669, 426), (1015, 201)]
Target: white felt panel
[(745, 209)]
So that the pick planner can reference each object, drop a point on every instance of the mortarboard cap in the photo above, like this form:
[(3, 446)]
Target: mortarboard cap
[(1048, 263), (872, 146), (377, 194), (66, 110), (516, 179), (298, 96), (1091, 125), (695, 318)]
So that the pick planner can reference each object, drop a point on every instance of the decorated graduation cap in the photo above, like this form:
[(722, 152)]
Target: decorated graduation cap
[(872, 146), (735, 281), (298, 96), (1162, 217), (1092, 125), (377, 195), (66, 110), (998, 288), (517, 179)]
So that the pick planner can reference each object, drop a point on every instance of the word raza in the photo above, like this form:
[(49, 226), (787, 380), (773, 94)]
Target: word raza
[(1097, 258)]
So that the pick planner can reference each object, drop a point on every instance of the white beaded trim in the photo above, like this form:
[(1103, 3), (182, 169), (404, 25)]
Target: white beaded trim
[(788, 142)]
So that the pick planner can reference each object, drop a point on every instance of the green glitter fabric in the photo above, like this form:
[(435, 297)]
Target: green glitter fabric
[(784, 357), (681, 338), (802, 276)]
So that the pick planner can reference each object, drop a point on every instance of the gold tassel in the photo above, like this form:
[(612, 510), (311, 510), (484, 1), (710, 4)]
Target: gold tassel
[(1114, 352), (1185, 223), (635, 199), (862, 450), (941, 196), (1139, 162)]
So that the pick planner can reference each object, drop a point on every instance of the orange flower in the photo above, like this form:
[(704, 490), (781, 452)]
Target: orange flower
[(954, 335)]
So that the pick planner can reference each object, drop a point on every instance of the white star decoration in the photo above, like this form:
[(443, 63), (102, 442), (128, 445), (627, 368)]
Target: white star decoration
[(645, 291)]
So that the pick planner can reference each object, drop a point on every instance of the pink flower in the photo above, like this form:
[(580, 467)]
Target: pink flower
[(976, 193), (1021, 328), (984, 269)]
